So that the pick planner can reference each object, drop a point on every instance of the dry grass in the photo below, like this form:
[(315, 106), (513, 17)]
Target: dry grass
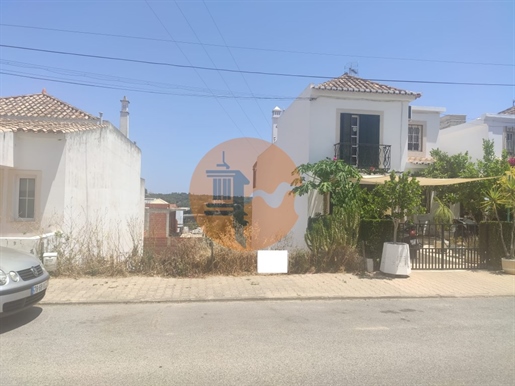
[(345, 259), (185, 257)]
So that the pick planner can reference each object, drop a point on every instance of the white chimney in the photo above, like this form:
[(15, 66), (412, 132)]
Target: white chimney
[(124, 117), (276, 114)]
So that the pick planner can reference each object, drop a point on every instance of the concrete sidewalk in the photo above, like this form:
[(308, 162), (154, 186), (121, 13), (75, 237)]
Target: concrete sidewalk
[(420, 284)]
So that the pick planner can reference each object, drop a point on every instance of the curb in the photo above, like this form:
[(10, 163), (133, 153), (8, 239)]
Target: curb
[(261, 299)]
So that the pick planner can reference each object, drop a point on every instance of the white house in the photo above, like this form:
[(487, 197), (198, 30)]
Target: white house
[(63, 169), (469, 136), (423, 133), (367, 124)]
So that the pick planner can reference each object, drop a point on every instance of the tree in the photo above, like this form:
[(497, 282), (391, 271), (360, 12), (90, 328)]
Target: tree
[(331, 238), (450, 166), (401, 195), (502, 194), (334, 179), (470, 195)]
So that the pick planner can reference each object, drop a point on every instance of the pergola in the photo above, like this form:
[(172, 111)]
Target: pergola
[(424, 181)]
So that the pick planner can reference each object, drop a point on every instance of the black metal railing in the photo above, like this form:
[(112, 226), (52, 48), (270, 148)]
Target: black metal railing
[(364, 155), (443, 246)]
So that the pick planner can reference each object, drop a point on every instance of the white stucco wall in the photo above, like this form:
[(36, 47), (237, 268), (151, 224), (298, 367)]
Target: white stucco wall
[(429, 118), (293, 129), (103, 186), (6, 148), (39, 156), (293, 137), (88, 184), (310, 127), (469, 136), (325, 121), (496, 124)]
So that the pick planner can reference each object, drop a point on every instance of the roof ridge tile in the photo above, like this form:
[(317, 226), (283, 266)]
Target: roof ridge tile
[(351, 83), (41, 105)]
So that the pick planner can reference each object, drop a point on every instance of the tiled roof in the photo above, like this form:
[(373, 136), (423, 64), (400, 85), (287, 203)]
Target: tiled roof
[(49, 126), (510, 111), (40, 106), (421, 160), (347, 82)]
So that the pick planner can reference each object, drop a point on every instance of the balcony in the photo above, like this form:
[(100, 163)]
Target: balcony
[(364, 155)]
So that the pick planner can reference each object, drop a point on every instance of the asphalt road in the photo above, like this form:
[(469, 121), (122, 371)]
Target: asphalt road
[(345, 342)]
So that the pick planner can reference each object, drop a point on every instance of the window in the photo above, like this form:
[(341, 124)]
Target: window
[(222, 188), (26, 198), (509, 140), (415, 137)]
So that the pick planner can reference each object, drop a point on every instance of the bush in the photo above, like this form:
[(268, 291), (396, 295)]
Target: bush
[(490, 245), (332, 241), (299, 262), (194, 257), (374, 233)]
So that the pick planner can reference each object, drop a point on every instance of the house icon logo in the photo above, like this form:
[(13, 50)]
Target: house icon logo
[(239, 194)]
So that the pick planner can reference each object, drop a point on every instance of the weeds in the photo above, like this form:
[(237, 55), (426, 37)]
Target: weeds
[(95, 254), (332, 241)]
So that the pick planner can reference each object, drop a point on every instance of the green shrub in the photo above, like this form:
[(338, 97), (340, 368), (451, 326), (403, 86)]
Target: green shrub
[(490, 245), (332, 241), (374, 233)]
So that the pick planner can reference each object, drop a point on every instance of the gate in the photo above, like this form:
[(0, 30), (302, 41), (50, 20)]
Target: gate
[(443, 246)]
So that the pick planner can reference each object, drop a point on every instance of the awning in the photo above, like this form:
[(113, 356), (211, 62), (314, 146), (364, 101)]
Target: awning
[(423, 181)]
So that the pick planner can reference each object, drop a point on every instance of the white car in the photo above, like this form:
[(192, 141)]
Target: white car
[(23, 281)]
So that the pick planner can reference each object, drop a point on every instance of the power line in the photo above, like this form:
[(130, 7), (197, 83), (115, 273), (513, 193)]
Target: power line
[(202, 79), (95, 76), (244, 71), (297, 52), (110, 87), (234, 59), (213, 63), (124, 80)]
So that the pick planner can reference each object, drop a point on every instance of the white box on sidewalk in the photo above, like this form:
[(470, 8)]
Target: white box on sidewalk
[(272, 261), (50, 261), (396, 259)]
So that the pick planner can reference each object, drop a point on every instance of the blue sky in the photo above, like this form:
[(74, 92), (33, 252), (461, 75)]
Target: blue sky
[(441, 41)]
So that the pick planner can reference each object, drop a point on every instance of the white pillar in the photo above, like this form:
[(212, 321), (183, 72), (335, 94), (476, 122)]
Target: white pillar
[(124, 117)]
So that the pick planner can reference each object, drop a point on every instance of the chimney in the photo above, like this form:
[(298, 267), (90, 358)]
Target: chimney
[(276, 113), (124, 117), (101, 114)]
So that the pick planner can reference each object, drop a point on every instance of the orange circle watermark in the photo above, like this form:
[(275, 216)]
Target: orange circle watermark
[(240, 194)]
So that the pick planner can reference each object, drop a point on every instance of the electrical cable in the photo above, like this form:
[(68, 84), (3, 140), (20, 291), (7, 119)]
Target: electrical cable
[(256, 48), (213, 63), (246, 71), (202, 79), (96, 85)]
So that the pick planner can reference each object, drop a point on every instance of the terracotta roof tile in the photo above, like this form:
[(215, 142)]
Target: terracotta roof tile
[(40, 106), (49, 126), (421, 160), (510, 111), (347, 82)]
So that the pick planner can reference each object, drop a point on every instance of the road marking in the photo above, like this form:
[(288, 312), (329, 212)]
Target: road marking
[(371, 328)]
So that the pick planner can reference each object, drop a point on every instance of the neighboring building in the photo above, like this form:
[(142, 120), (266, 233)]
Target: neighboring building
[(367, 124), (468, 137), (423, 133), (452, 120), (63, 169), (162, 221)]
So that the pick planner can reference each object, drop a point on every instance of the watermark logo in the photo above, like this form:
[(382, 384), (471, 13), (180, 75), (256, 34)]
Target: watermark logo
[(240, 194)]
